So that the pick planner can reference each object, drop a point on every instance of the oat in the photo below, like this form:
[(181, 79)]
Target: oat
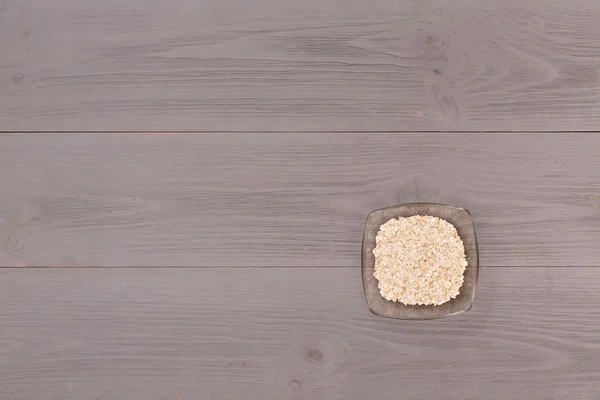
[(419, 260)]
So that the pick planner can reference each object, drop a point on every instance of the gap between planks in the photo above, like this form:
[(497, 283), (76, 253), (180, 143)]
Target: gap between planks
[(253, 266), (201, 132)]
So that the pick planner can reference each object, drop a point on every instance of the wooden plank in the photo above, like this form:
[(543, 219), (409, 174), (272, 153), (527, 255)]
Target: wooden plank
[(290, 333), (288, 200), (299, 65)]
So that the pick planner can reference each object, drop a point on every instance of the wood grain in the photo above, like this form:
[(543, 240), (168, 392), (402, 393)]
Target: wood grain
[(296, 65), (288, 199), (290, 333)]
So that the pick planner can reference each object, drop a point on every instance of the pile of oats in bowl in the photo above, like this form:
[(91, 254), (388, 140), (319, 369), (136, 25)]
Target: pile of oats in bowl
[(419, 260)]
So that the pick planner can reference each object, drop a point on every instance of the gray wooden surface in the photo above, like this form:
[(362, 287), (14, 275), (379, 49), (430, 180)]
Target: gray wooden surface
[(296, 118), (299, 65), (290, 333), (301, 199)]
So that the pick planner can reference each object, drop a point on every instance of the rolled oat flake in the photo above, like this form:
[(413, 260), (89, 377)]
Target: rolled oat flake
[(419, 260)]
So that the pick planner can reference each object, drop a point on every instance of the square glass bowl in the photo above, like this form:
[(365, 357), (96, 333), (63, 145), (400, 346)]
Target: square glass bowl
[(462, 221)]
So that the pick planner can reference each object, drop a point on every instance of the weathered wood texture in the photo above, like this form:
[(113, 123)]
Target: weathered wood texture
[(299, 65), (288, 199), (290, 333)]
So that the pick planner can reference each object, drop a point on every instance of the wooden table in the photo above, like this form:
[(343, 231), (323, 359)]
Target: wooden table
[(184, 185)]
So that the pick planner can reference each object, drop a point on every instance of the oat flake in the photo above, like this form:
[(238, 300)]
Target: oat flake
[(419, 260)]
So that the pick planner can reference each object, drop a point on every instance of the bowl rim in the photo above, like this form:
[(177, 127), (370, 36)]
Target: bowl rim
[(362, 258)]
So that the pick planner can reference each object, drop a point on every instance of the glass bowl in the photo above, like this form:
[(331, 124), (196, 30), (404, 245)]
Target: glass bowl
[(462, 221)]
